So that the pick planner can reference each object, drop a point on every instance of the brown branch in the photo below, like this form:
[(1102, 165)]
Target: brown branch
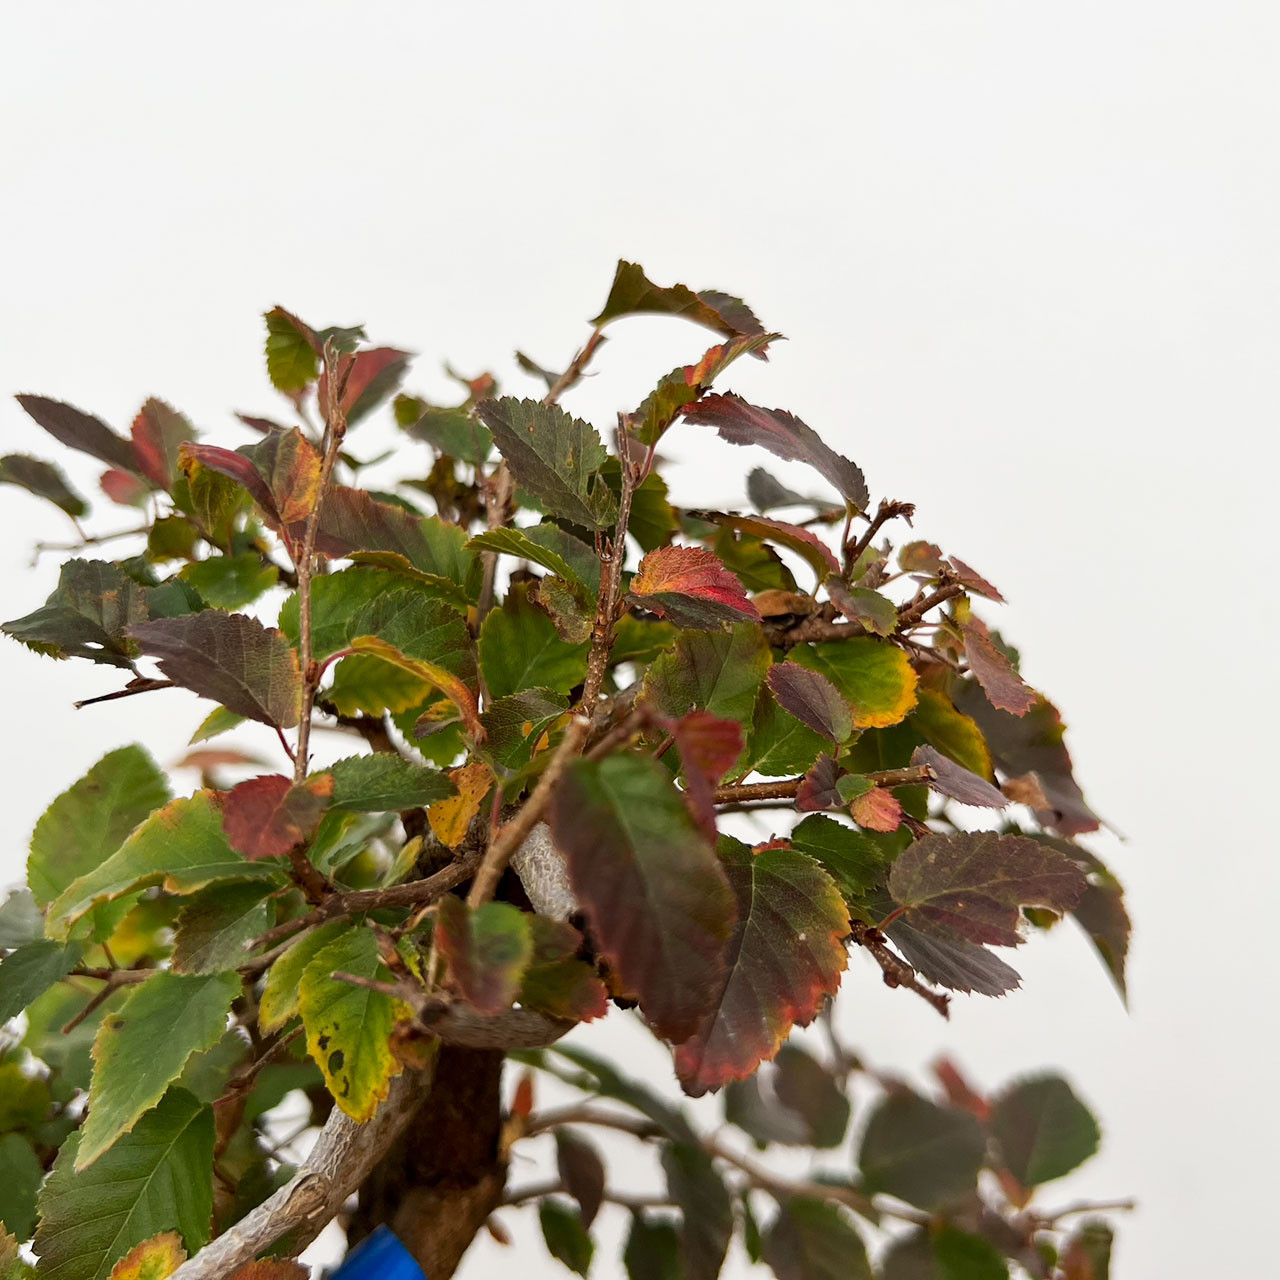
[(140, 685), (512, 833), (897, 972), (888, 510), (912, 613), (577, 367), (785, 788), (812, 629), (513, 1199)]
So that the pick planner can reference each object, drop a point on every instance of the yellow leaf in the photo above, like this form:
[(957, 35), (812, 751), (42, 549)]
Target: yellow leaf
[(152, 1259), (450, 818)]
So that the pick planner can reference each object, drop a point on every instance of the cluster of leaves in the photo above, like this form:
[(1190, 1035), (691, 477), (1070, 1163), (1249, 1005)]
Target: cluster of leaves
[(553, 652)]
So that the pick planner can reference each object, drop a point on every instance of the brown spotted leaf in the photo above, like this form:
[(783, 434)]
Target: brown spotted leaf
[(79, 430), (487, 950), (654, 893), (450, 818), (785, 957), (954, 780), (1004, 687), (229, 657), (785, 436), (633, 293), (973, 885), (812, 699), (265, 817), (690, 587)]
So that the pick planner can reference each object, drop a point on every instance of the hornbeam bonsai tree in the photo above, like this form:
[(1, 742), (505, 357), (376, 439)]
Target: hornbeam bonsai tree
[(609, 758)]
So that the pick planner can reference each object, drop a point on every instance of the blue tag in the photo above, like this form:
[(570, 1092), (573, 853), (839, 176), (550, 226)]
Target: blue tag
[(379, 1256)]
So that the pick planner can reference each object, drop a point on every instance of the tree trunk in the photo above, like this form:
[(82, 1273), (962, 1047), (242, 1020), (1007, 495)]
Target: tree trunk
[(443, 1176)]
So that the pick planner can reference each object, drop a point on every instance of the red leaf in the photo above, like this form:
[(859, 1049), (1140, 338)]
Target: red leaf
[(974, 581), (557, 982), (370, 375), (281, 472), (267, 816), (124, 487), (808, 546), (785, 436), (954, 780), (920, 557), (236, 466), (158, 431), (1003, 686), (487, 950), (692, 588), (708, 747), (818, 790), (877, 810), (812, 699), (79, 430), (785, 957)]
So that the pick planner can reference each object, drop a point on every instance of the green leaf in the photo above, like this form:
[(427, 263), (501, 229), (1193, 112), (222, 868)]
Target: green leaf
[(656, 897), (1043, 1129), (716, 671), (653, 1249), (520, 649), (293, 360), (972, 885), (382, 782), (230, 582), (213, 927), (808, 1089), (566, 1238), (24, 1099), (363, 684), (516, 542), (23, 1174), (877, 613), (633, 293), (142, 1047), (181, 846), (922, 1153), (785, 957), (706, 1224), (876, 677), (20, 920), (279, 1000), (853, 859), (640, 640), (948, 1254), (155, 1178), (956, 735), (813, 1240), (453, 432), (515, 724), (779, 746), (418, 627), (556, 981), (82, 431), (336, 599), (44, 480), (89, 821), (349, 1027), (31, 970), (487, 950), (555, 456)]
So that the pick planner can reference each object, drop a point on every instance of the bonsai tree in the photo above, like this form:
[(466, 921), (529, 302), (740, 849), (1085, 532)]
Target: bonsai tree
[(573, 708)]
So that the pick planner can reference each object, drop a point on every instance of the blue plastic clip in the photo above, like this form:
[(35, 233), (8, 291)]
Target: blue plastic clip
[(379, 1256)]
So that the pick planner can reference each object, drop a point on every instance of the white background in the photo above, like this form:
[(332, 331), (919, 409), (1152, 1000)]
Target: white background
[(1026, 256)]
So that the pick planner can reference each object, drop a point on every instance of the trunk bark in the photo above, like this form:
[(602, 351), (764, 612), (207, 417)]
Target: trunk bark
[(443, 1176)]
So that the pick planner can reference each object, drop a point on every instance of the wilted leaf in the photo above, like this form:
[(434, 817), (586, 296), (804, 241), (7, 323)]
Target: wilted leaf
[(808, 546), (451, 817), (153, 1259), (567, 606), (877, 678), (555, 456), (656, 896), (813, 1240), (951, 779), (785, 436), (155, 1178), (972, 885), (382, 782), (231, 658), (785, 957), (487, 950), (79, 430), (181, 847), (633, 293), (520, 649), (706, 1222), (142, 1047), (566, 1238), (42, 479), (556, 981), (1004, 687), (348, 1026), (691, 588), (213, 927), (922, 1153), (812, 699), (1043, 1129), (582, 1172), (267, 816)]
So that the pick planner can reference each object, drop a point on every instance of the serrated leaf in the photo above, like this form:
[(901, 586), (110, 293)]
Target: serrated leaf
[(1043, 1129), (158, 432), (957, 782), (79, 430), (706, 1212), (555, 456), (1004, 687), (289, 465), (920, 1152), (567, 606), (813, 1240), (956, 735), (515, 724), (279, 1000), (807, 545), (367, 377), (682, 386), (267, 816), (876, 809), (854, 860), (819, 789), (779, 745), (565, 1236), (450, 818), (691, 588), (785, 436), (516, 542), (292, 350), (487, 950), (708, 747), (382, 783), (520, 649), (181, 846), (877, 613), (154, 1179), (952, 962), (348, 1026), (231, 658), (142, 1047), (336, 599), (213, 927), (42, 479), (657, 899), (230, 582), (785, 957), (30, 970), (582, 1172), (877, 678), (812, 699), (153, 1259), (557, 982), (633, 293), (453, 432), (973, 885)]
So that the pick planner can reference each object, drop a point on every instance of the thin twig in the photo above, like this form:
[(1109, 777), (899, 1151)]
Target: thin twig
[(888, 510), (897, 973), (743, 792), (577, 367), (912, 613), (540, 1189)]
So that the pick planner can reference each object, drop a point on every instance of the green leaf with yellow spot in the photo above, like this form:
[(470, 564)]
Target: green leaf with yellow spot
[(876, 677), (153, 1259)]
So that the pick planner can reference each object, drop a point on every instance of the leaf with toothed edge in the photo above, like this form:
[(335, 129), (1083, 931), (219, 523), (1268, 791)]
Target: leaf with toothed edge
[(82, 431), (153, 1259), (812, 699), (808, 546), (957, 782), (633, 293), (267, 816), (875, 677), (690, 587), (708, 747), (785, 957), (158, 433), (1005, 688), (382, 782)]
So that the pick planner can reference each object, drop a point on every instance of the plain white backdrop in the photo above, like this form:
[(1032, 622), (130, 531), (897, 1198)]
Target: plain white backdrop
[(1026, 256)]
